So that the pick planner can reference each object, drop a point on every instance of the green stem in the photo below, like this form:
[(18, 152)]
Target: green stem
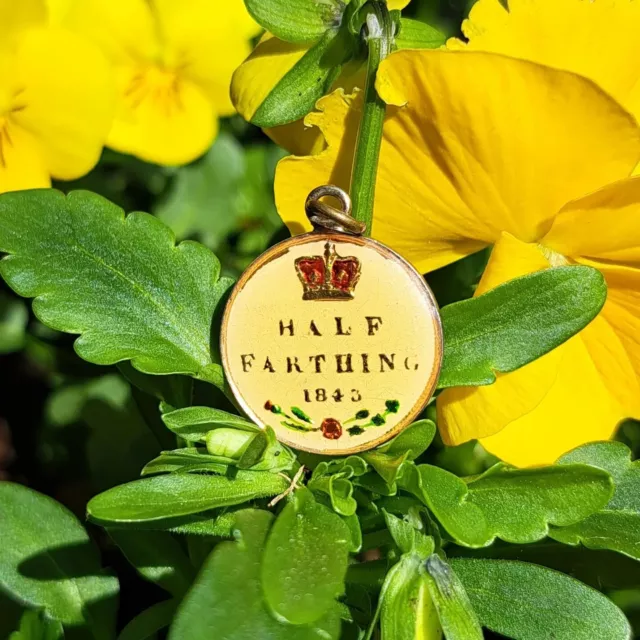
[(379, 38)]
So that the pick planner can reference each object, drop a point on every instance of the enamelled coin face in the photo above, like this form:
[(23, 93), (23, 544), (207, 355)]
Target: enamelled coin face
[(334, 341)]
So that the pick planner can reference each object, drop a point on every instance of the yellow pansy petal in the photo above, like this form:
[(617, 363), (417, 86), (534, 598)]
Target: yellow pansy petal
[(16, 15), (603, 225), (206, 42), (397, 4), (124, 29), (261, 72), (567, 34), (466, 413), (66, 101), (161, 118), (575, 394), (464, 160), (578, 408), (22, 164)]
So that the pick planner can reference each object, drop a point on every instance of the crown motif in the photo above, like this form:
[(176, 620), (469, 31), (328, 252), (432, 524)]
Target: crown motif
[(328, 277)]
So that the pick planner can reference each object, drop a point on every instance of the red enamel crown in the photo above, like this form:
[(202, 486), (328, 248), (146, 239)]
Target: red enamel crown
[(328, 277)]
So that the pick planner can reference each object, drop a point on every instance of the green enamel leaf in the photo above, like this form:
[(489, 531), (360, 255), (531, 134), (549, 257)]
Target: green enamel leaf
[(226, 600), (520, 504), (617, 525), (517, 322), (305, 560), (175, 495), (414, 34), (304, 84), (457, 617), (297, 21), (527, 602), (120, 282), (406, 610), (47, 561), (194, 423)]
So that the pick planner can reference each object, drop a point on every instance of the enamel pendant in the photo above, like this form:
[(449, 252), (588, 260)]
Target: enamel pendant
[(332, 338)]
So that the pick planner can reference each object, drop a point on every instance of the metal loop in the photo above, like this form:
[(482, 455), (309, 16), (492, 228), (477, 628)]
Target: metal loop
[(324, 216)]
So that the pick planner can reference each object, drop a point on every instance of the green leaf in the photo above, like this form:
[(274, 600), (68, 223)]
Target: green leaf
[(414, 34), (297, 21), (226, 599), (121, 283), (35, 626), (406, 609), (387, 466), (519, 504), (526, 602), (305, 560), (176, 495), (517, 322), (415, 439), (446, 496), (407, 537), (158, 557), (13, 323), (194, 423), (187, 461), (339, 490), (617, 525), (457, 617), (48, 561), (304, 84), (150, 621)]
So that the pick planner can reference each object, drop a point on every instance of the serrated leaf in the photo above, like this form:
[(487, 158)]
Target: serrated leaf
[(193, 423), (158, 557), (226, 599), (517, 322), (146, 624), (305, 560), (617, 525), (175, 495), (406, 610), (527, 602), (457, 617), (304, 84), (519, 504), (47, 561), (414, 34), (297, 21), (120, 282)]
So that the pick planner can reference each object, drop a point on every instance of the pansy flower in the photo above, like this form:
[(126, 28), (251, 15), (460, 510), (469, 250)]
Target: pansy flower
[(56, 99), (173, 63), (480, 149)]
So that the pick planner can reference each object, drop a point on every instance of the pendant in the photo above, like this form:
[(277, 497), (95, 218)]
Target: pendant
[(332, 338)]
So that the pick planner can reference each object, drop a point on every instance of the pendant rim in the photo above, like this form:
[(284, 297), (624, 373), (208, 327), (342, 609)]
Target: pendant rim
[(279, 250)]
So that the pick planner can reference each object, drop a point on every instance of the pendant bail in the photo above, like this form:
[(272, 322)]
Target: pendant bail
[(326, 217)]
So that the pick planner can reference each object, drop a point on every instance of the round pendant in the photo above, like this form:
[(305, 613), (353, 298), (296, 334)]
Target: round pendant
[(332, 339)]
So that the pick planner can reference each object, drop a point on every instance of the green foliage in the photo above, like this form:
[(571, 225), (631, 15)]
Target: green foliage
[(35, 626), (226, 600), (617, 525), (415, 34), (517, 322), (121, 283), (150, 621), (48, 562), (297, 21), (524, 602), (305, 560), (13, 323), (175, 495)]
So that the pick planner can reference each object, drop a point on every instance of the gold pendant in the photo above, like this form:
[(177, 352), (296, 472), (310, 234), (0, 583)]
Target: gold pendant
[(332, 338)]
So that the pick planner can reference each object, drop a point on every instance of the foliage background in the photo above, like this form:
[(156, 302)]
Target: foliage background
[(70, 429)]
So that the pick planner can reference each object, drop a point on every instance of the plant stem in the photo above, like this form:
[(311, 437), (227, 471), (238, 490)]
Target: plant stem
[(379, 37)]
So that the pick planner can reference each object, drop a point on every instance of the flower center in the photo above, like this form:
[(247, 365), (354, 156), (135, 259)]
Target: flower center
[(555, 259), (155, 83)]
